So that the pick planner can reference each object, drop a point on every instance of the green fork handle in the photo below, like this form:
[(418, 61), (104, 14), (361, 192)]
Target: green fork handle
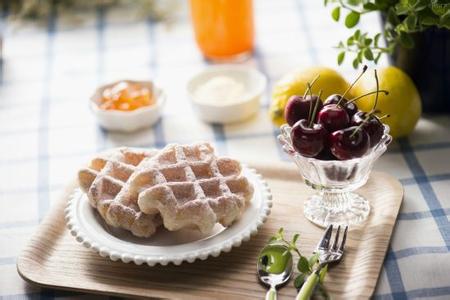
[(271, 294), (308, 287)]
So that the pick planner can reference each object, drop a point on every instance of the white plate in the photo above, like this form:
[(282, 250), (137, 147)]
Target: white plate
[(185, 245)]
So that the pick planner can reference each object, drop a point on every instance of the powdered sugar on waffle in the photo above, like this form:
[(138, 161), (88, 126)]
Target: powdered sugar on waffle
[(191, 187), (105, 183), (183, 186)]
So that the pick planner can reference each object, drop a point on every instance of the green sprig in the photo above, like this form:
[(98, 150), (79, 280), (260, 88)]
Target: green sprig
[(403, 18), (305, 266)]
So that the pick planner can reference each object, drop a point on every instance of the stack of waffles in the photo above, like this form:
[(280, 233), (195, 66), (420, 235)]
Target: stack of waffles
[(180, 186)]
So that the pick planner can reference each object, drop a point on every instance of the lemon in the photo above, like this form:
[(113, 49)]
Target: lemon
[(295, 83), (403, 103)]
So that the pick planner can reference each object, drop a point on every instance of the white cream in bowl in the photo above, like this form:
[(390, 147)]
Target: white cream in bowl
[(227, 93)]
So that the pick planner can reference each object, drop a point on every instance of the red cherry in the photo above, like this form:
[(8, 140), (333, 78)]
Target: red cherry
[(372, 126), (333, 99), (308, 141), (350, 107), (299, 107), (333, 117), (349, 143), (325, 154)]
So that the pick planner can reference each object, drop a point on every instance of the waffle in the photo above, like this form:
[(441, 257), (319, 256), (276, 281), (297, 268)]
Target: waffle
[(105, 183), (191, 187)]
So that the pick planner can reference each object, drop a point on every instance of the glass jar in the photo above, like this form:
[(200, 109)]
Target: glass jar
[(224, 29)]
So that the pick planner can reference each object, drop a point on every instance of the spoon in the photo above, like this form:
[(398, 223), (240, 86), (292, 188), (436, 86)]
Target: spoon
[(274, 268)]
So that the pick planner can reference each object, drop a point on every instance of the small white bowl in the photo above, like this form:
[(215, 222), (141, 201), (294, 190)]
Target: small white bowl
[(241, 109), (127, 121)]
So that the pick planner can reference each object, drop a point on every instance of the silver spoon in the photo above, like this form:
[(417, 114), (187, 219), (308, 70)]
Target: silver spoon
[(274, 268)]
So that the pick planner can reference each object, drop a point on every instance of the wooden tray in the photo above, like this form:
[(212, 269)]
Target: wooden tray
[(54, 259)]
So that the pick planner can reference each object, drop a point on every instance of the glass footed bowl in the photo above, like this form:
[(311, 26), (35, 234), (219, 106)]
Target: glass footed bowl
[(335, 180)]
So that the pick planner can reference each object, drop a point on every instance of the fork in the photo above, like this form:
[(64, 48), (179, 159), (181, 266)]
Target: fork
[(327, 254)]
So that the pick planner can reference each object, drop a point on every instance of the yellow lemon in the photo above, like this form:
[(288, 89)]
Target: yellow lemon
[(403, 103), (295, 83)]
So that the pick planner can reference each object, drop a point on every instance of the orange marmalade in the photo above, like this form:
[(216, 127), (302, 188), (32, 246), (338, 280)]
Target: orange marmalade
[(126, 96)]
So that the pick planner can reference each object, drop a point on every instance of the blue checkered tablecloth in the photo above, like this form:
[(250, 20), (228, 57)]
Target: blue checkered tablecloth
[(47, 131)]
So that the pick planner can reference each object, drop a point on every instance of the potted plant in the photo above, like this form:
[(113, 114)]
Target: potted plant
[(415, 35)]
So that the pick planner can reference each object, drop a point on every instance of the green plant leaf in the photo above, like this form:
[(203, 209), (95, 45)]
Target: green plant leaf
[(299, 281), (295, 238), (359, 57), (272, 240), (421, 5), (352, 19), (313, 259), (357, 34), (303, 265), (336, 13), (428, 18), (340, 57), (367, 41), (410, 22), (409, 3), (401, 27), (355, 63), (376, 38), (406, 40), (445, 20), (370, 6), (392, 17), (377, 58), (390, 35), (382, 4), (430, 21), (438, 8), (391, 47), (402, 8), (350, 41), (368, 54)]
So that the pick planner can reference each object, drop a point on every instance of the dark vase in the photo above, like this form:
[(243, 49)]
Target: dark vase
[(428, 64)]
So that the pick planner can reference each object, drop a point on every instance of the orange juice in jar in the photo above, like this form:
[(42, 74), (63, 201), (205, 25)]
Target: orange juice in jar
[(223, 28)]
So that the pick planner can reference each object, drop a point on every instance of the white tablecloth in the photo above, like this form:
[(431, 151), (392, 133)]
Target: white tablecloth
[(47, 131)]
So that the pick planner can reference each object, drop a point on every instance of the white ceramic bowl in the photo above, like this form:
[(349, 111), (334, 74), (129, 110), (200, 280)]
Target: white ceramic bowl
[(217, 112), (128, 121)]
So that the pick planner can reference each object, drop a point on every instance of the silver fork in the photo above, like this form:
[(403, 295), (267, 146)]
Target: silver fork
[(327, 254)]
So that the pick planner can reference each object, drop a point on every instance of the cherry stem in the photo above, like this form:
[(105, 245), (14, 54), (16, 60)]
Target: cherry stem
[(378, 90), (361, 125), (368, 94), (309, 85), (384, 117), (308, 89), (351, 85), (310, 104), (313, 116)]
